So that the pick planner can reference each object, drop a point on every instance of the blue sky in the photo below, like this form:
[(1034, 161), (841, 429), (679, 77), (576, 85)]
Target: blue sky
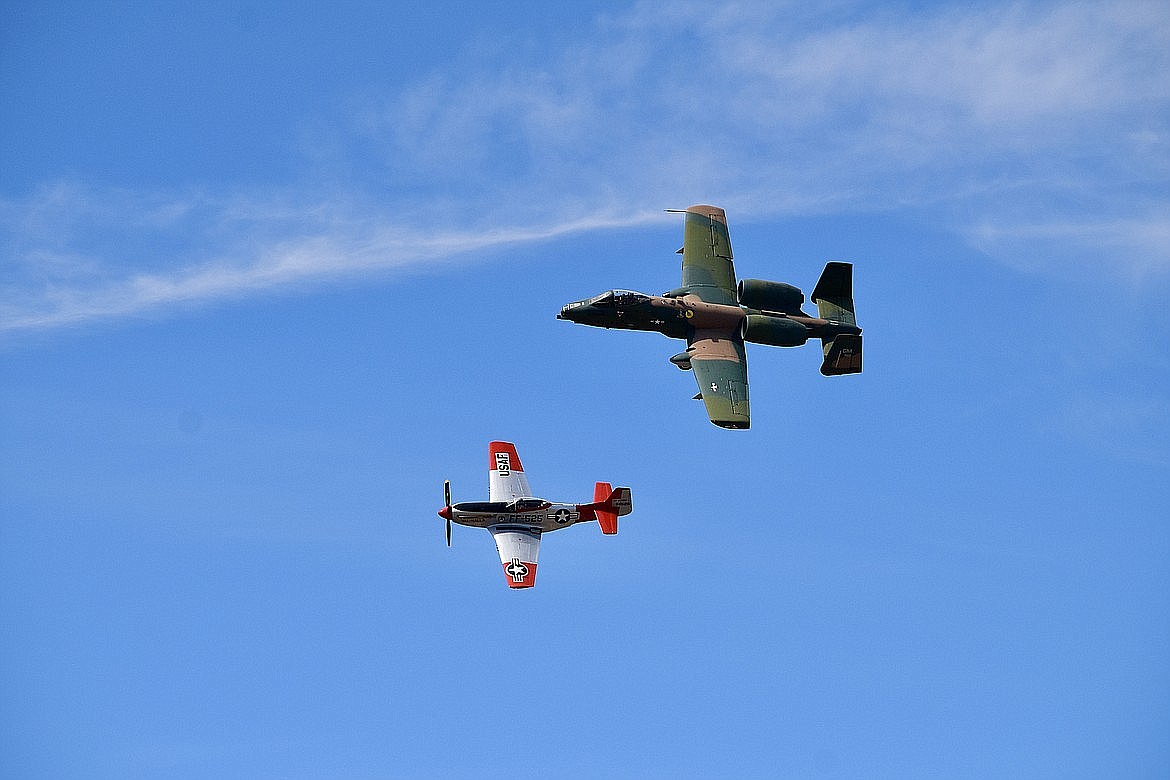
[(271, 272)]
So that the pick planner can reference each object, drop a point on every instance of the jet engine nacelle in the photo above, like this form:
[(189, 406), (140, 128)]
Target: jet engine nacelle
[(773, 331), (769, 296)]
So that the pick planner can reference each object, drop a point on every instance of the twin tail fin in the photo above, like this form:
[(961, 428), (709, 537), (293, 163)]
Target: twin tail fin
[(833, 296)]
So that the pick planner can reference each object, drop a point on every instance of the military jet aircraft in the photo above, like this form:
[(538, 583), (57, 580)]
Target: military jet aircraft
[(516, 519), (716, 316)]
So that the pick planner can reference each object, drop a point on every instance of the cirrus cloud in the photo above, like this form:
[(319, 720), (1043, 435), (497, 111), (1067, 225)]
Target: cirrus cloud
[(1034, 131)]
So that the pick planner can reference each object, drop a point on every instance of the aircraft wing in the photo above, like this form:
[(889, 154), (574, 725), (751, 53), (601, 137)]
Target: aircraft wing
[(518, 547), (719, 363), (506, 479), (707, 269)]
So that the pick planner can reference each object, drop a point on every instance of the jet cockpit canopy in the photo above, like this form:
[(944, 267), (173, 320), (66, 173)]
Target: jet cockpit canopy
[(628, 297)]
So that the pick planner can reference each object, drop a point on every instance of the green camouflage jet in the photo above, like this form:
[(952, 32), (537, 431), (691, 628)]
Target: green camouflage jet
[(716, 316)]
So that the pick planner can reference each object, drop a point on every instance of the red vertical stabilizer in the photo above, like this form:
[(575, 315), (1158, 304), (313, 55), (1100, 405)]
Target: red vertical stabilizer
[(606, 516)]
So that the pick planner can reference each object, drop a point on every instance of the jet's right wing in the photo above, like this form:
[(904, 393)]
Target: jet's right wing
[(707, 269), (506, 479), (719, 363)]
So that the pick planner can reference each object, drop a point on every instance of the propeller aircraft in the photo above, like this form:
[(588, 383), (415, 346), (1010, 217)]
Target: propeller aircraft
[(717, 316), (516, 519)]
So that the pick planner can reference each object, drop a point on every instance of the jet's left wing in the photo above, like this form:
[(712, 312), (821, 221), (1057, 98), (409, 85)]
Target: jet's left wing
[(518, 547), (506, 479), (707, 269), (719, 363)]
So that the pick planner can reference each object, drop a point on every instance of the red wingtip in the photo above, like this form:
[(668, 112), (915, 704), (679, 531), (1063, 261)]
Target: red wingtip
[(520, 574), (496, 452)]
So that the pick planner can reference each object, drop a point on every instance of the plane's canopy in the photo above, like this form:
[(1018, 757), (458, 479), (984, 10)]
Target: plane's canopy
[(527, 505), (609, 298), (628, 297), (503, 507)]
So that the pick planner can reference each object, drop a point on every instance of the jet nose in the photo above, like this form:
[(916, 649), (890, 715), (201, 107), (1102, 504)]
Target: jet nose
[(582, 312)]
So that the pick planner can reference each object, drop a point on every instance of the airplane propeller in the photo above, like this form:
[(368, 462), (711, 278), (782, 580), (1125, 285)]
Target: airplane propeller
[(447, 507)]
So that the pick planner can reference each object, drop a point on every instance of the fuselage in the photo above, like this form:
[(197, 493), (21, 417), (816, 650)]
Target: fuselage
[(530, 513), (675, 317), (678, 315)]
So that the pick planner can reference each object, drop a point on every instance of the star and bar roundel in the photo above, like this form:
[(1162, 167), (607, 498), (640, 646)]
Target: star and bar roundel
[(564, 516)]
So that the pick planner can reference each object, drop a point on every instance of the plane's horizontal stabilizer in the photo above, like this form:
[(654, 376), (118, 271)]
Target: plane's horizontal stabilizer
[(842, 355)]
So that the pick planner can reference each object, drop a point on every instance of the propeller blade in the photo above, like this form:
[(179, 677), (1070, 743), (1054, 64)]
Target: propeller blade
[(447, 504)]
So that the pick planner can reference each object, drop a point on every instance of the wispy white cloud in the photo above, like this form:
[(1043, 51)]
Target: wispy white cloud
[(998, 119), (1038, 131), (1142, 241), (321, 245)]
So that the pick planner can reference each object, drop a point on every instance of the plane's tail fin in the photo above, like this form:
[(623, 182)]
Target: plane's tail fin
[(610, 504), (833, 296)]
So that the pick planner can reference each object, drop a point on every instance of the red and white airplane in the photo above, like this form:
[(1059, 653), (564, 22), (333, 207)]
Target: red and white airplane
[(516, 519)]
